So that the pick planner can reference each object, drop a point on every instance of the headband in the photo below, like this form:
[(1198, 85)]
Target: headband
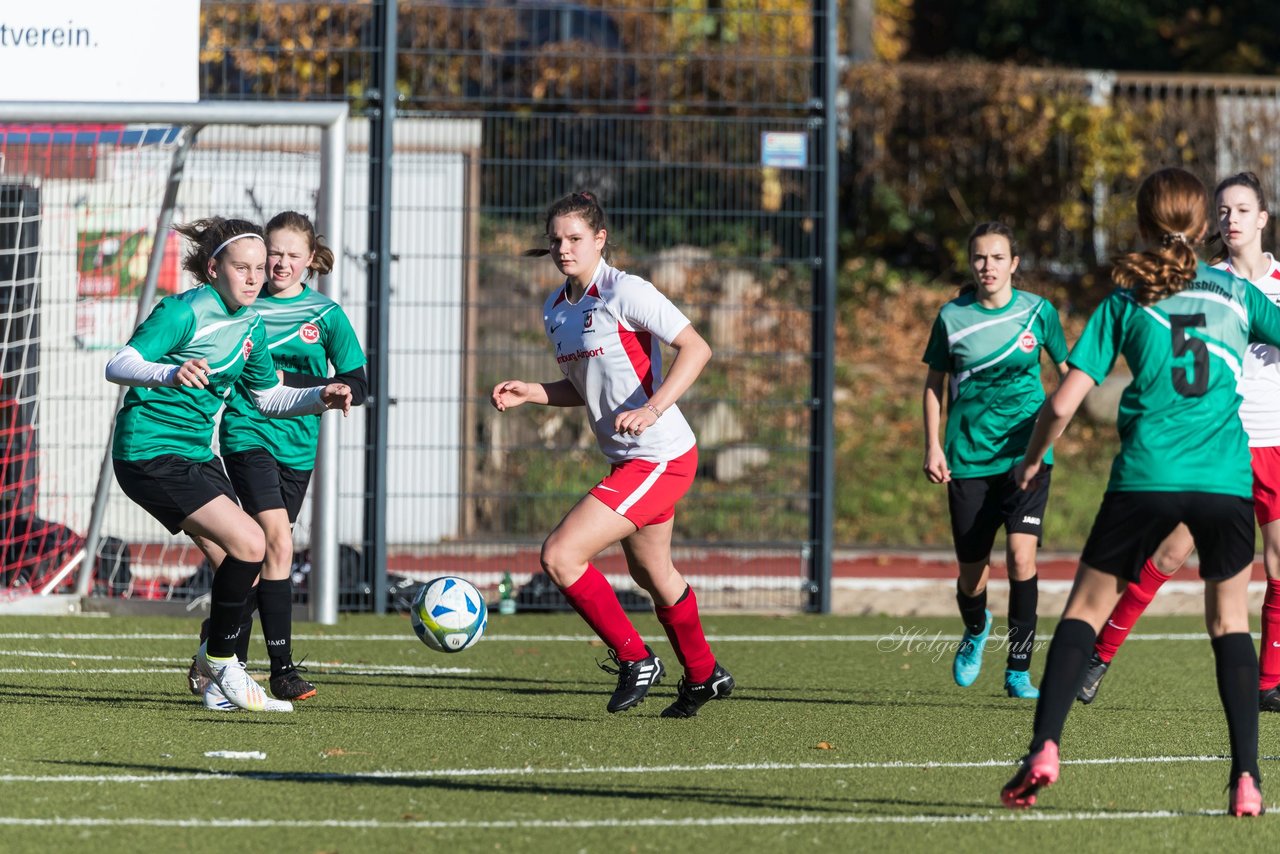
[(232, 239)]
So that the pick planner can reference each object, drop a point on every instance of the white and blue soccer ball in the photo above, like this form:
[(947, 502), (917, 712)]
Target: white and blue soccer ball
[(449, 614)]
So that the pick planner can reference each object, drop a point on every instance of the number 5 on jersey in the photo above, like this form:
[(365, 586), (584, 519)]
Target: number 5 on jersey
[(1183, 344)]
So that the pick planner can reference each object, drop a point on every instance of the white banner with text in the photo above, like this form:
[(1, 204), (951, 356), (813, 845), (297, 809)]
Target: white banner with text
[(100, 50)]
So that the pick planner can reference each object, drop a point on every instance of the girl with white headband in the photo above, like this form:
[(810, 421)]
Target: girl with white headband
[(181, 364), (270, 460)]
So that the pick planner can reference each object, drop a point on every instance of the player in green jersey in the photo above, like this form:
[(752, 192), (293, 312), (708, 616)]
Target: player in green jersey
[(269, 461), (1182, 327), (988, 340), (1242, 218), (181, 364)]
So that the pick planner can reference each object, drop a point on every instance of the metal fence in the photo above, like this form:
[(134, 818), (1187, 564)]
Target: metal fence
[(498, 109), (494, 109), (932, 149)]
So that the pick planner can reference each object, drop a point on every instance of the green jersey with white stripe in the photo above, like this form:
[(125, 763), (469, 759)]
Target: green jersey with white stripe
[(1179, 419), (305, 334), (179, 420), (993, 358)]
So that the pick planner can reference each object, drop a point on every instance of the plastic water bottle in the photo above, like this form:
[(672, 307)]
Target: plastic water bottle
[(506, 601)]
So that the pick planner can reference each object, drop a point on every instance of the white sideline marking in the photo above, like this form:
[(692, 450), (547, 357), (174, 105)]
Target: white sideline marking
[(400, 638), (334, 667), (282, 776), (235, 754), (94, 670), (583, 824)]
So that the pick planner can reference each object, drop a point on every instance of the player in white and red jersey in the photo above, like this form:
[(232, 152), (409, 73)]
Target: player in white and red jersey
[(607, 327), (1242, 217)]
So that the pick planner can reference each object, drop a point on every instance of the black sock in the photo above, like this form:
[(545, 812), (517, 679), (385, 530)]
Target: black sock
[(1023, 597), (246, 627), (1236, 664), (275, 610), (232, 583), (1064, 669), (973, 610)]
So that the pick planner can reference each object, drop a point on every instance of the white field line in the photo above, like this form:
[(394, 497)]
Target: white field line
[(325, 666), (113, 671), (453, 773), (903, 634), (587, 824)]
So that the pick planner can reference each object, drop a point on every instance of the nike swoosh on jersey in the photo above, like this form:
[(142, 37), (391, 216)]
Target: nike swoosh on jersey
[(611, 489)]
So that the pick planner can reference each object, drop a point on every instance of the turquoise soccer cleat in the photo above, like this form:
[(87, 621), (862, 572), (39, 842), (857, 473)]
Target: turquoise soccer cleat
[(1017, 683), (968, 663)]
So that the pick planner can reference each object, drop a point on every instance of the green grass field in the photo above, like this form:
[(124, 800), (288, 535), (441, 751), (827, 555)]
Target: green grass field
[(838, 736)]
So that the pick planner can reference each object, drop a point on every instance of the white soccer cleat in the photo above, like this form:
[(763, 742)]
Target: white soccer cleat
[(217, 701), (234, 681)]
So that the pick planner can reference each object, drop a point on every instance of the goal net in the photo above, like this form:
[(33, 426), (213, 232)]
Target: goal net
[(87, 197)]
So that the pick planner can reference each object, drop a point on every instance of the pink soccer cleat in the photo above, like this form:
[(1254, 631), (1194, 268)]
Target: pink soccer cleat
[(1038, 770)]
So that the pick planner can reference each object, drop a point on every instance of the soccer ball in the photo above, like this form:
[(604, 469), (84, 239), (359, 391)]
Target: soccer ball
[(449, 614)]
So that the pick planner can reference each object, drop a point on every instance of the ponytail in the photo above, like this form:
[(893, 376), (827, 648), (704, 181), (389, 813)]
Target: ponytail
[(1173, 208)]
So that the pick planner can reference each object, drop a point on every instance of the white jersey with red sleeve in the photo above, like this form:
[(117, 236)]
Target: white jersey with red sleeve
[(1260, 378), (608, 344)]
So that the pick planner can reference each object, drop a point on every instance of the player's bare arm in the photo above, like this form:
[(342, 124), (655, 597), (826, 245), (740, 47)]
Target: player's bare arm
[(692, 355), (935, 458), (511, 393)]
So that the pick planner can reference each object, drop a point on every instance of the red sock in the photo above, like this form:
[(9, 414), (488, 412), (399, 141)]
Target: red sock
[(594, 600), (684, 629), (1269, 659), (1135, 600)]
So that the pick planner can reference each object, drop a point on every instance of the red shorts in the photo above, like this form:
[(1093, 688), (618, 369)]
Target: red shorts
[(1266, 484), (646, 492)]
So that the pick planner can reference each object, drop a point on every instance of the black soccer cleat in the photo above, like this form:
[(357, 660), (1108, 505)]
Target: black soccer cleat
[(197, 682), (691, 696), (287, 684), (1269, 700), (1092, 679), (635, 678)]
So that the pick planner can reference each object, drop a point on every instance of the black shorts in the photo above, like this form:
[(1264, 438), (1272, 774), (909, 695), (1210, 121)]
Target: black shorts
[(263, 483), (1131, 525), (980, 506), (170, 487)]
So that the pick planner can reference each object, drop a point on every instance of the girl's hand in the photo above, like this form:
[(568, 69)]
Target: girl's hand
[(1025, 472), (633, 422), (935, 466), (337, 396), (193, 373), (509, 394)]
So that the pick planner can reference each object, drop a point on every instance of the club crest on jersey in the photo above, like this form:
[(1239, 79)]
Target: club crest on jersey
[(587, 319), (248, 347), (309, 333), (1027, 342)]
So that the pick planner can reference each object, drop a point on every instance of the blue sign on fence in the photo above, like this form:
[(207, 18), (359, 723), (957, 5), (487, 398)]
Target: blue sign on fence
[(784, 149)]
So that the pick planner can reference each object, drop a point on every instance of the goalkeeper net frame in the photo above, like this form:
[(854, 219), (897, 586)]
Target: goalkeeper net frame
[(88, 192)]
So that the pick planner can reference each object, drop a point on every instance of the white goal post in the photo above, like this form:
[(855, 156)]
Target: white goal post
[(51, 122)]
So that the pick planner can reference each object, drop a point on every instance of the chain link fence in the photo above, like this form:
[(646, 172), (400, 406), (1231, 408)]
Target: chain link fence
[(933, 149), (501, 108)]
